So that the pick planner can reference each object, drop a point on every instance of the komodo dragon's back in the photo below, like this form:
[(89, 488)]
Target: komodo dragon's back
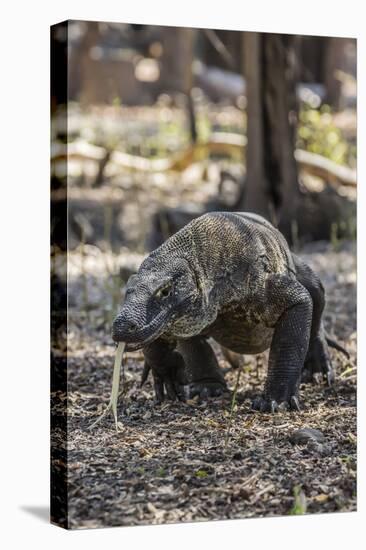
[(219, 239)]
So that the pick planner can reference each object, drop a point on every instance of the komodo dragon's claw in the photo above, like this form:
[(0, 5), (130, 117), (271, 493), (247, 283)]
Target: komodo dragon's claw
[(263, 404), (318, 366), (204, 389)]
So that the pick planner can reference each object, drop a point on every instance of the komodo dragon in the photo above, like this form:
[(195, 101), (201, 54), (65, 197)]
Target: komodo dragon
[(231, 277)]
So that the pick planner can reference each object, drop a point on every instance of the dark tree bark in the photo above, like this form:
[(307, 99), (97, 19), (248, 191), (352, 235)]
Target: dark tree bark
[(177, 58), (271, 182), (333, 62), (176, 67), (79, 80), (256, 197), (340, 57)]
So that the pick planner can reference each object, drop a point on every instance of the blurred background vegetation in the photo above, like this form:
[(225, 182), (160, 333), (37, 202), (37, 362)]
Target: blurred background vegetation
[(157, 125)]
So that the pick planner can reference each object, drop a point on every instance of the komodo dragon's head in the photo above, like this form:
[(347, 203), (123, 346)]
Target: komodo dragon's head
[(163, 298)]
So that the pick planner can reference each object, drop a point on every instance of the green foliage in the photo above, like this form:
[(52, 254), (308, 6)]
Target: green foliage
[(299, 505), (201, 474), (317, 133), (232, 407), (334, 239)]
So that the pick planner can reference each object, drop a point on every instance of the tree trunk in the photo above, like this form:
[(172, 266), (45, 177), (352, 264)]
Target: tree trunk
[(176, 67), (271, 180), (339, 58), (333, 62), (256, 197)]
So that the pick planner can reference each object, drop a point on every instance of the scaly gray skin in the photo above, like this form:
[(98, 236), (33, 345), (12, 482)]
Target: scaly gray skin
[(232, 277)]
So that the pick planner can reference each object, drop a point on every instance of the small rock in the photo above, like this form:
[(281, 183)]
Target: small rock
[(151, 508), (243, 493), (321, 498), (306, 435), (237, 456), (319, 448)]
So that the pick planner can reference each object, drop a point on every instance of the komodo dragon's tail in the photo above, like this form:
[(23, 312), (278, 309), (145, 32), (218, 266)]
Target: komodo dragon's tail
[(333, 344)]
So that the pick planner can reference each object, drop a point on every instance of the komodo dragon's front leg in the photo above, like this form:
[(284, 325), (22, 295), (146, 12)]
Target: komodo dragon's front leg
[(167, 366), (184, 369), (289, 345)]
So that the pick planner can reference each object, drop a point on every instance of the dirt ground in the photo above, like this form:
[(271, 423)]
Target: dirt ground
[(200, 461)]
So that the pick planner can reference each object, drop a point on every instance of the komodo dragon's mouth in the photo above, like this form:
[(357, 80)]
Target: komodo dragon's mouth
[(147, 334), (135, 346)]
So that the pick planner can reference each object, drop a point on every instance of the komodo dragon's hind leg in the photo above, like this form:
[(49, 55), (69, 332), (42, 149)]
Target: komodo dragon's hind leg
[(318, 363)]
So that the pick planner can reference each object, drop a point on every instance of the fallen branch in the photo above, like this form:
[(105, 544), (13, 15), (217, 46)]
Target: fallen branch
[(317, 165), (260, 493), (219, 143)]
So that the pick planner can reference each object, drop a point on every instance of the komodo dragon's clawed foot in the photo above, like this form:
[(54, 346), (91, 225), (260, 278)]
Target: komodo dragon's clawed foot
[(167, 387), (265, 404), (318, 365), (205, 389), (171, 390), (181, 375)]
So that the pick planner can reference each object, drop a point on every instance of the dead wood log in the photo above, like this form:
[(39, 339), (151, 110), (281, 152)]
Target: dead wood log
[(219, 143), (317, 165)]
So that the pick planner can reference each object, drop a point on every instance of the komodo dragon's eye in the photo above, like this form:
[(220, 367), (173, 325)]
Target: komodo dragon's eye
[(164, 291)]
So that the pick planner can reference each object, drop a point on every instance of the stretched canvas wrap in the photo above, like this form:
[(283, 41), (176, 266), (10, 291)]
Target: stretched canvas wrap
[(203, 279)]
